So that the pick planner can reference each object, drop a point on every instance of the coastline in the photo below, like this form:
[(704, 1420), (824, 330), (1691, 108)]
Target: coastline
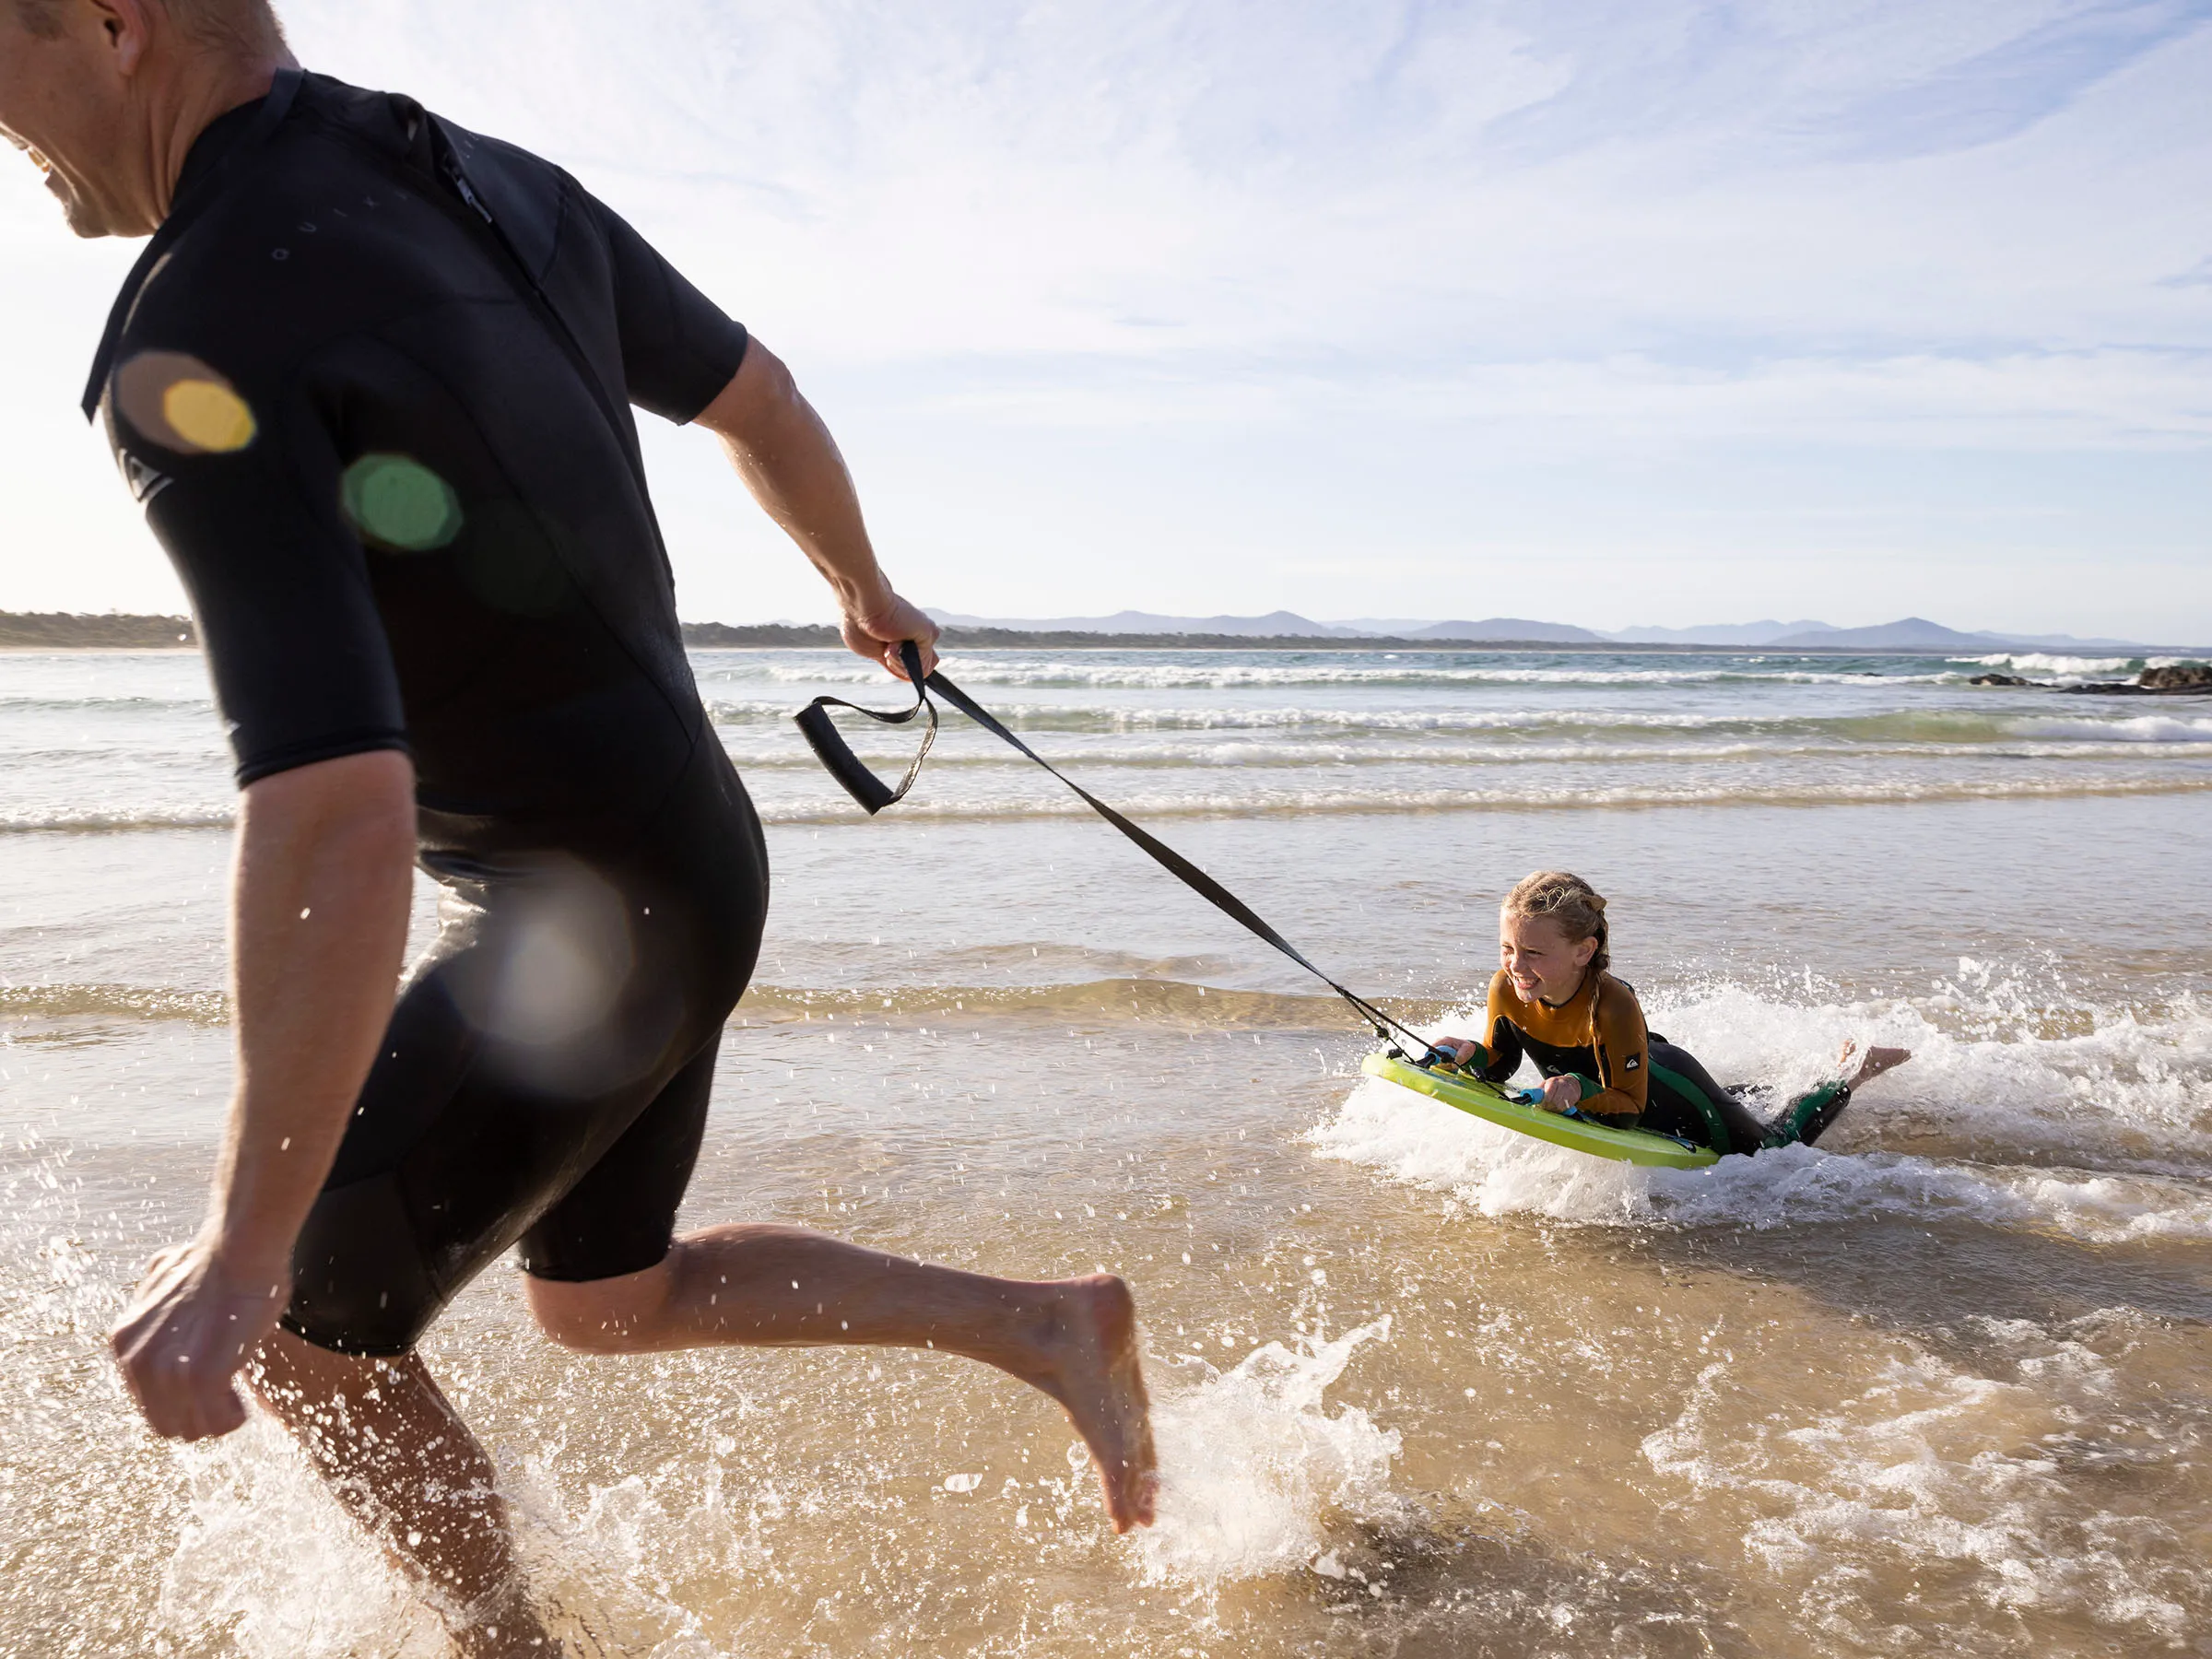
[(721, 636), (62, 631), (66, 630)]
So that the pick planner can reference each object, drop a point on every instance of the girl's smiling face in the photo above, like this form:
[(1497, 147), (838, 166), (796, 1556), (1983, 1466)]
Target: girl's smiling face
[(1541, 960)]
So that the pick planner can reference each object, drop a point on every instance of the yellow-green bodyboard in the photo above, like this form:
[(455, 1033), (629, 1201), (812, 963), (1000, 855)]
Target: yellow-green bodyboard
[(1492, 1105)]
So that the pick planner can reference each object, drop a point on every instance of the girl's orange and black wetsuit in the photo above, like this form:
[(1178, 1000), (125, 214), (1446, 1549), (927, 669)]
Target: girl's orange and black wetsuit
[(1632, 1078)]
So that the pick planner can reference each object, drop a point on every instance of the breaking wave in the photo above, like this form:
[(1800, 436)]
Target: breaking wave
[(1273, 802), (1228, 676), (2066, 667), (2089, 1123)]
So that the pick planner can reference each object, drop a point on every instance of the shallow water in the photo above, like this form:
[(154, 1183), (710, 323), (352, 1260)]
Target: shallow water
[(1424, 1388)]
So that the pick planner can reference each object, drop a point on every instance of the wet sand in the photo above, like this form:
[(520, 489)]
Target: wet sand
[(1424, 1388)]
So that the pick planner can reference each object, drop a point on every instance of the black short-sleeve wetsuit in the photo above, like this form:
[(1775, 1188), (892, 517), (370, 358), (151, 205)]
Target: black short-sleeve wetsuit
[(371, 383)]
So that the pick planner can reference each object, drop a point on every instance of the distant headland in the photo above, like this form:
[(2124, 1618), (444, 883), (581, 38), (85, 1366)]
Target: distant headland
[(1282, 630), (1915, 635), (67, 630)]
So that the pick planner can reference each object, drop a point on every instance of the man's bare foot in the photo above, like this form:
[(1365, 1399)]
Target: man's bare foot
[(508, 1642), (1092, 1367), (1878, 1061)]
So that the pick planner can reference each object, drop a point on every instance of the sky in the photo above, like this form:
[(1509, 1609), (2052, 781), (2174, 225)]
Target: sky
[(1603, 312)]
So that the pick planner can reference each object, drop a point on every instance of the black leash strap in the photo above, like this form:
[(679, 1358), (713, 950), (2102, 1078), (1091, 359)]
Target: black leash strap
[(874, 796)]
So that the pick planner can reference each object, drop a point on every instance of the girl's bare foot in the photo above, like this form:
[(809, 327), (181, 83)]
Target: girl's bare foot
[(1878, 1061)]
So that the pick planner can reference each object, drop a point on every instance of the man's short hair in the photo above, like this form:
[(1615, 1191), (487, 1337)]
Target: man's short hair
[(250, 24), (40, 17)]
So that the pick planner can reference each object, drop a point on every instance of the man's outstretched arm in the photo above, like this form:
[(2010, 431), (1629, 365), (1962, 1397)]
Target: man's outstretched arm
[(789, 461), (319, 920)]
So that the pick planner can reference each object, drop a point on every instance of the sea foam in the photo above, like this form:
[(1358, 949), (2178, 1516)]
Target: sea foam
[(2119, 1117), (1953, 1476), (2141, 728), (1254, 1464), (2066, 667)]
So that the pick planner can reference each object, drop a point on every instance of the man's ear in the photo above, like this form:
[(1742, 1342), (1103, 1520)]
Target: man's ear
[(130, 26)]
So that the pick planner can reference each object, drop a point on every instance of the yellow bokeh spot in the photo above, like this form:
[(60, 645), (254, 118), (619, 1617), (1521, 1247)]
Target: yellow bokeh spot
[(176, 401), (208, 416)]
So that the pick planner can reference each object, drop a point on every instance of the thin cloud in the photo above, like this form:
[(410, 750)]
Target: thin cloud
[(1580, 232)]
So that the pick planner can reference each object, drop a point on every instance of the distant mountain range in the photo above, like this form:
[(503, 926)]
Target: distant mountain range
[(1906, 635), (1273, 625), (54, 632), (68, 630)]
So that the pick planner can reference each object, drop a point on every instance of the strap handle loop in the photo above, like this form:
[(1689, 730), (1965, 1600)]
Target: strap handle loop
[(831, 750)]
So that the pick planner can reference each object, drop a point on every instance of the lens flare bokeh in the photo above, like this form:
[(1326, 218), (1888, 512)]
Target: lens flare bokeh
[(180, 403), (401, 504)]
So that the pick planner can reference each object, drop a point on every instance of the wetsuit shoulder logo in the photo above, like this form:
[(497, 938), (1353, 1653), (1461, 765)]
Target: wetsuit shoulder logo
[(144, 481)]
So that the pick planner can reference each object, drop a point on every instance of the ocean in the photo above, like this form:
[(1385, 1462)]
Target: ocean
[(1424, 1388)]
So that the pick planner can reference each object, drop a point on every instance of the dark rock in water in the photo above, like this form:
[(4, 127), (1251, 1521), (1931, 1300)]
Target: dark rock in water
[(2188, 679), (2182, 676), (1999, 680)]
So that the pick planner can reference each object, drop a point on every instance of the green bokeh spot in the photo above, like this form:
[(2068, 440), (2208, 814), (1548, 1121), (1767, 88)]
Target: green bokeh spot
[(401, 504)]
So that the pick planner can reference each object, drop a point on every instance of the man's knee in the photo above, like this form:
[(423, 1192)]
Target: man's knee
[(292, 1376), (601, 1317)]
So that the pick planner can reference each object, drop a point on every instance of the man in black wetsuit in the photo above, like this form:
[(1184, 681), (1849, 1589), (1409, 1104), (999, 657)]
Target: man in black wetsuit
[(372, 382)]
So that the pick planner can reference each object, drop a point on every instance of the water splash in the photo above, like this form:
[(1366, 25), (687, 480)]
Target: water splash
[(1966, 1481), (1255, 1466), (268, 1566), (2066, 667), (266, 1558), (2114, 1103)]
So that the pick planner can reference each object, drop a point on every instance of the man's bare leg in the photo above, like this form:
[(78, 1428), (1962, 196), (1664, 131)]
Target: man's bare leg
[(404, 1465), (766, 1285)]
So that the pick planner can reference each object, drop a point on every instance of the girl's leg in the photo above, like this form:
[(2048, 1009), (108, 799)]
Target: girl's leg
[(1720, 1110), (1805, 1119), (1878, 1061)]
